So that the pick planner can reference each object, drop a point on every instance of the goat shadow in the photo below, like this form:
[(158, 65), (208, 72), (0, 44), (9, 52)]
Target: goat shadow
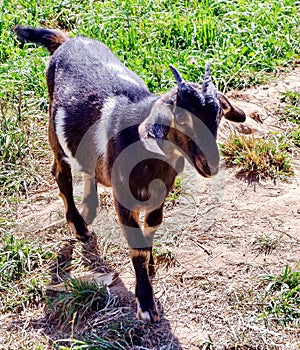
[(117, 323)]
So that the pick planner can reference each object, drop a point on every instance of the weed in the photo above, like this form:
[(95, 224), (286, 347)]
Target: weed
[(18, 257), (283, 293), (291, 112), (258, 158), (20, 283), (164, 258), (174, 195), (81, 298), (265, 243), (291, 97), (295, 135), (95, 344)]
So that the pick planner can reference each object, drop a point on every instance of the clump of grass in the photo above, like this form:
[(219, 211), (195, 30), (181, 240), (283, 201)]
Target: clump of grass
[(21, 281), (291, 112), (258, 158), (283, 293), (164, 258), (295, 135), (17, 258), (174, 195), (94, 344), (265, 243), (81, 298)]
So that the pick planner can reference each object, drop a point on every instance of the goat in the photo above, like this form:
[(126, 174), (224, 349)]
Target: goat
[(105, 122)]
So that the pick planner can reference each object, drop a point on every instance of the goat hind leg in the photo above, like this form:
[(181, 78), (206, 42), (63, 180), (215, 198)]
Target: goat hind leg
[(63, 176)]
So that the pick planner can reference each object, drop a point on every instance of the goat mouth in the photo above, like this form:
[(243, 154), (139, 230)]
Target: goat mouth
[(204, 168)]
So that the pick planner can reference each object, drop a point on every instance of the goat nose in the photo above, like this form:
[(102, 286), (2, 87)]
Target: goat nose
[(214, 170)]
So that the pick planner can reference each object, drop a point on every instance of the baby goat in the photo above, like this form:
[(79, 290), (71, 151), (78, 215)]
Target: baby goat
[(106, 123)]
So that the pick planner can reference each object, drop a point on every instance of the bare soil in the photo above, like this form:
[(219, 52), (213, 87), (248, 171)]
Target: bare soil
[(210, 286)]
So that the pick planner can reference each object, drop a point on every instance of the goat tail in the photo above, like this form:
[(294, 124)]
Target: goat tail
[(49, 38)]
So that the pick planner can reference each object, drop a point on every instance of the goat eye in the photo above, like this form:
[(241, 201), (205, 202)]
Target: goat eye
[(181, 118)]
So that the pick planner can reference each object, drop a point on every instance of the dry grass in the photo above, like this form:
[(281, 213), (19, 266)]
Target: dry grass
[(210, 291)]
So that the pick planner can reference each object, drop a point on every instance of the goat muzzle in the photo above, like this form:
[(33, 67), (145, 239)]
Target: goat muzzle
[(204, 168)]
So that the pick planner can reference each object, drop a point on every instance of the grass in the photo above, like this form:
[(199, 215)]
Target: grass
[(175, 193), (164, 258), (18, 257), (283, 294), (81, 299), (291, 111), (21, 282), (295, 135), (266, 243), (95, 344), (258, 158)]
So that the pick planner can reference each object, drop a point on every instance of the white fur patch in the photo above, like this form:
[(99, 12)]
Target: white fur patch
[(101, 130), (143, 315), (60, 132), (122, 73), (127, 78), (116, 67)]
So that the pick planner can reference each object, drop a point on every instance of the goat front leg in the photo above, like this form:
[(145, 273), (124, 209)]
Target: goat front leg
[(62, 172), (140, 254), (152, 222), (90, 199)]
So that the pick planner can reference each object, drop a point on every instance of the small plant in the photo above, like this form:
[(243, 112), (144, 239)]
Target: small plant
[(18, 257), (284, 297), (21, 282), (265, 243), (174, 195), (292, 110), (81, 298), (95, 344), (295, 135), (165, 258), (258, 158)]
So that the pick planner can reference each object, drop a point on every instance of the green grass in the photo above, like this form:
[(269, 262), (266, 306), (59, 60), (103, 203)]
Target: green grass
[(258, 158), (295, 135), (21, 281), (81, 298), (95, 344), (283, 293), (266, 243), (243, 41), (175, 193), (18, 257), (291, 112)]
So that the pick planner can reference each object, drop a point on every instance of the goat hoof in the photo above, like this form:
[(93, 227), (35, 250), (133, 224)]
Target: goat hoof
[(80, 230), (84, 238), (151, 270), (150, 315)]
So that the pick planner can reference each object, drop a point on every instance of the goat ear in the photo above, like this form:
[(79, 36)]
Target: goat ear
[(155, 128), (231, 112)]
